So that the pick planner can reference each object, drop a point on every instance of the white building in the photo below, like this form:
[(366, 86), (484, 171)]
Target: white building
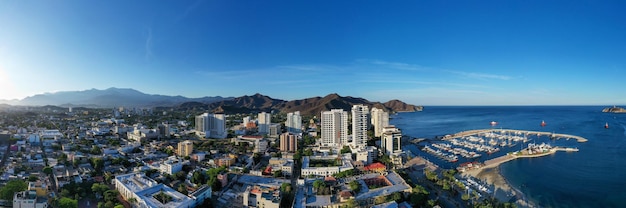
[(171, 166), (29, 199), (346, 164), (264, 119), (211, 125), (294, 122), (334, 124), (390, 141), (380, 119), (367, 155), (261, 196), (260, 146), (360, 124), (145, 191)]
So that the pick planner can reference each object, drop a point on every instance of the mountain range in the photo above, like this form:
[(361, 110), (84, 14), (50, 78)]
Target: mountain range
[(113, 97), (110, 97), (308, 106)]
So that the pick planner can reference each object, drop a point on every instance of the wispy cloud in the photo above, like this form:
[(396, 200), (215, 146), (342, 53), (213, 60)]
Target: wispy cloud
[(398, 65), (482, 76), (148, 45), (189, 10)]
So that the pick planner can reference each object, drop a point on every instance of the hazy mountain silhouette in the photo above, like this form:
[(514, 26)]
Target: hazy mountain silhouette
[(107, 98)]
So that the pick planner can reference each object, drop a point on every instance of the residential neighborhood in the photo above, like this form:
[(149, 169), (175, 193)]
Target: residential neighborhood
[(134, 157)]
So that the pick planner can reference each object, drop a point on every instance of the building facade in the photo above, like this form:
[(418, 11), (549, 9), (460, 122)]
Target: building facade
[(211, 125), (185, 148), (334, 127), (380, 119), (360, 124), (288, 142), (264, 119), (390, 141), (294, 122)]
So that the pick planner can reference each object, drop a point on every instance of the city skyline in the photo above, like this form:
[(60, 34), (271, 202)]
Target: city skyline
[(423, 53)]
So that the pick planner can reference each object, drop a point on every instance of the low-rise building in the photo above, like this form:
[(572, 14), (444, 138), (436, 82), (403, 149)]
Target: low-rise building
[(262, 197), (345, 161), (29, 199)]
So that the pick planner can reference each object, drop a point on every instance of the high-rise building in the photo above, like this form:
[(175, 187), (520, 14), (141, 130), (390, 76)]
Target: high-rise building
[(380, 119), (264, 121), (390, 141), (275, 130), (288, 142), (185, 148), (360, 124), (211, 125), (334, 127), (294, 122)]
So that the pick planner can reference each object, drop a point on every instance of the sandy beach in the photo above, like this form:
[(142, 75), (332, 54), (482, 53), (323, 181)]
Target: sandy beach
[(503, 190)]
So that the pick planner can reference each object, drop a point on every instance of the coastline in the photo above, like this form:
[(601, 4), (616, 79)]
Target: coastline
[(503, 189)]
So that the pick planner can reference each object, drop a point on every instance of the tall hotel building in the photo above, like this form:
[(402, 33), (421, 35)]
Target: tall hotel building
[(211, 125), (334, 127), (380, 120), (264, 121), (360, 124), (294, 122)]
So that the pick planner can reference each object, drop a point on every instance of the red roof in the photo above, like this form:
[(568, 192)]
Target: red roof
[(375, 166), (330, 178)]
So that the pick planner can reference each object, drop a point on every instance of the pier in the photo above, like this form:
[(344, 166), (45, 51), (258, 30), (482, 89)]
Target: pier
[(513, 131), (508, 157)]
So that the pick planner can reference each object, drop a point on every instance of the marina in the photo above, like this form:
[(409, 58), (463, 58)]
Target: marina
[(486, 145)]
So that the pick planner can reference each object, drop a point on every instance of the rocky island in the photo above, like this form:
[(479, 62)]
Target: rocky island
[(614, 109)]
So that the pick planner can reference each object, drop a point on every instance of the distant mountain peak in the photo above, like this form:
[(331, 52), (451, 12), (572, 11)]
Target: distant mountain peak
[(110, 97)]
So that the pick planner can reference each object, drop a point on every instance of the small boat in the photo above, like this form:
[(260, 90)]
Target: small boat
[(493, 123), (606, 125), (543, 123)]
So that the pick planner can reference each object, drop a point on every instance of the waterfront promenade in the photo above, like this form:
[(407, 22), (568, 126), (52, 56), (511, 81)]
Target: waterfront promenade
[(513, 131)]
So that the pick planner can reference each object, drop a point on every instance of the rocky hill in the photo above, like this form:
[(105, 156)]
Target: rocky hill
[(614, 109), (308, 106)]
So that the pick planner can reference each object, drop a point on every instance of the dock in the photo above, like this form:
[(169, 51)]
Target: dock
[(508, 157), (513, 131)]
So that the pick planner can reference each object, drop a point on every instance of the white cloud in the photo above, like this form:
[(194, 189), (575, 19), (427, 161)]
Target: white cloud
[(481, 75), (148, 45)]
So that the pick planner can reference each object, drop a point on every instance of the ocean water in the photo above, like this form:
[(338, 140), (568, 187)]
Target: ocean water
[(593, 177)]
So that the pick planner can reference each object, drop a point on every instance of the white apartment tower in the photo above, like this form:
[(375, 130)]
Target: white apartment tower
[(390, 141), (211, 125), (294, 122), (334, 127), (264, 121), (360, 124), (380, 119)]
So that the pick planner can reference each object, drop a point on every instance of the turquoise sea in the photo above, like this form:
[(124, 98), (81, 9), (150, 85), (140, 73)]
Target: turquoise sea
[(593, 177)]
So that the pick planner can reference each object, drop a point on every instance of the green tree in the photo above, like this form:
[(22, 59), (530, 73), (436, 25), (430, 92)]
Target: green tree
[(47, 170), (32, 178), (308, 152), (97, 163), (96, 150), (355, 186), (319, 184), (183, 189), (7, 191), (345, 150), (278, 173), (65, 202), (285, 187)]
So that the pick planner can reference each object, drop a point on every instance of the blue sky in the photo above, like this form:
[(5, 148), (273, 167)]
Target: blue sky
[(422, 52)]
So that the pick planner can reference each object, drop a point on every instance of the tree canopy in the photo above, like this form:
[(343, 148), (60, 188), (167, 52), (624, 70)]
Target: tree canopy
[(65, 202), (7, 191)]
